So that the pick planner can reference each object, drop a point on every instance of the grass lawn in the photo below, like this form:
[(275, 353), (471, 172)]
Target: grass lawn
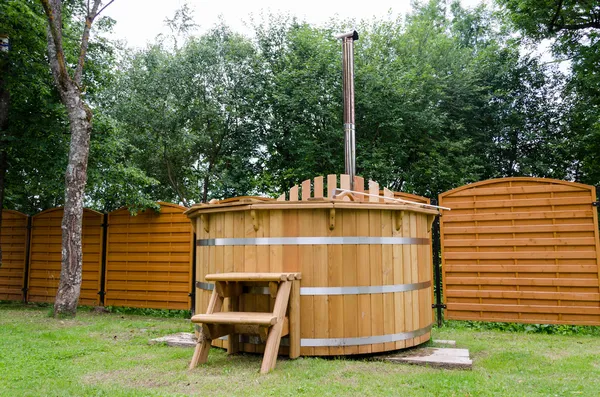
[(109, 355)]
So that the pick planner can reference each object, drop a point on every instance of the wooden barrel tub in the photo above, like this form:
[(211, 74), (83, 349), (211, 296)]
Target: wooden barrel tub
[(366, 268)]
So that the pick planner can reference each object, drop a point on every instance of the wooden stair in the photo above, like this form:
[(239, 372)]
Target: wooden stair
[(284, 287)]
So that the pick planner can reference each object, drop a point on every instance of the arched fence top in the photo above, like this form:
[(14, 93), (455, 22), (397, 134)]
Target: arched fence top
[(506, 182), (55, 209)]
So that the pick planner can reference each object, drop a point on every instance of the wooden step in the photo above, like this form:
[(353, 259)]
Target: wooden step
[(239, 277), (249, 318)]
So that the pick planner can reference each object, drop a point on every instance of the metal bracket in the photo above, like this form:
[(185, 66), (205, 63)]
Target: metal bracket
[(596, 204), (102, 293), (435, 306)]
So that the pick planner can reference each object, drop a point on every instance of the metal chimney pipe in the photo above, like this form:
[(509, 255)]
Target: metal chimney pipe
[(348, 88)]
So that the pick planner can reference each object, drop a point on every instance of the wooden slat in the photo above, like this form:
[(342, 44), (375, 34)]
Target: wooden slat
[(331, 185), (520, 203), (587, 310), (565, 282), (373, 191), (306, 190), (240, 277), (539, 295), (294, 193), (318, 187), (236, 318), (510, 242), (521, 268), (588, 227)]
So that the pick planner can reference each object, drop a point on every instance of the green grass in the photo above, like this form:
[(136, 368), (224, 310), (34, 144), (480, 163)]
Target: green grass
[(109, 355)]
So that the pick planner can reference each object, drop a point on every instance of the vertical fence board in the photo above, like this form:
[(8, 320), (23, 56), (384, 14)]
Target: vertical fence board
[(14, 240)]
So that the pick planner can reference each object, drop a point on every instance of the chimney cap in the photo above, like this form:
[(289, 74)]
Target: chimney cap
[(352, 33)]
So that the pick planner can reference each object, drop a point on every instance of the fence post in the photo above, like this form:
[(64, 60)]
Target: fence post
[(27, 257), (193, 292), (102, 291), (436, 248)]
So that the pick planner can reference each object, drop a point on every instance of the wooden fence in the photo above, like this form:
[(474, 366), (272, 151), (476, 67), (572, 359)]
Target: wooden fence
[(45, 262), (521, 250), (145, 260), (149, 259), (14, 243)]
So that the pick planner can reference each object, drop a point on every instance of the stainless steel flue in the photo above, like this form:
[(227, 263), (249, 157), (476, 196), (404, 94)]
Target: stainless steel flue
[(348, 88)]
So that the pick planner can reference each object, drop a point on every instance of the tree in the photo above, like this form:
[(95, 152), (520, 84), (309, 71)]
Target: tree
[(68, 83), (573, 28)]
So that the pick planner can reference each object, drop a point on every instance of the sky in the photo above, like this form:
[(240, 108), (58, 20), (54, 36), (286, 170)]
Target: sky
[(140, 21)]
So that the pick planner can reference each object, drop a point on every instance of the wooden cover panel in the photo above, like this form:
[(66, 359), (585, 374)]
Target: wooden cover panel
[(149, 258), (45, 256), (333, 316), (14, 240), (521, 250)]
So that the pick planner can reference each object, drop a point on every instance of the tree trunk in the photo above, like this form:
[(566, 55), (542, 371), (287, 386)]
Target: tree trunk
[(80, 123)]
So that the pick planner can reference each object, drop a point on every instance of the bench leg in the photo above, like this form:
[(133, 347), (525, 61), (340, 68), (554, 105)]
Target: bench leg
[(274, 338), (201, 352), (203, 346)]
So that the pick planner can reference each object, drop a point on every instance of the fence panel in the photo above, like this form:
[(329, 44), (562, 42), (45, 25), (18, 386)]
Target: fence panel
[(14, 243), (521, 250), (45, 261), (149, 259)]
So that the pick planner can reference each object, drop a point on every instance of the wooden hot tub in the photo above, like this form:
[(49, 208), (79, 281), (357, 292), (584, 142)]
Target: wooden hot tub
[(366, 266)]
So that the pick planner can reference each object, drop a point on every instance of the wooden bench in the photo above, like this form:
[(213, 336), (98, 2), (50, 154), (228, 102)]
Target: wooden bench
[(284, 287)]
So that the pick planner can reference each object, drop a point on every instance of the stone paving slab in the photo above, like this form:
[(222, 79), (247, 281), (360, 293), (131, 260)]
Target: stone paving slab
[(450, 358), (181, 339)]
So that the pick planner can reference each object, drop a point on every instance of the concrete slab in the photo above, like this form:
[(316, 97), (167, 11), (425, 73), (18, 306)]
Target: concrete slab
[(444, 342), (434, 357), (181, 339)]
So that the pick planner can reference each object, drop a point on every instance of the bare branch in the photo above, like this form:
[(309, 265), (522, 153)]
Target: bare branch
[(52, 8), (556, 14), (102, 9), (89, 19)]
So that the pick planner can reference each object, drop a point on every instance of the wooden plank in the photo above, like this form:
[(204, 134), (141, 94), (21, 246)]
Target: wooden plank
[(235, 318), (510, 242), (389, 312), (387, 193), (238, 277), (400, 312), (359, 186), (521, 268), (294, 193), (306, 190), (349, 278), (320, 279), (335, 277), (281, 198), (373, 191), (452, 230), (305, 261), (522, 255), (363, 279), (318, 187), (294, 320), (331, 185), (586, 310), (562, 296), (274, 338), (566, 282), (452, 216)]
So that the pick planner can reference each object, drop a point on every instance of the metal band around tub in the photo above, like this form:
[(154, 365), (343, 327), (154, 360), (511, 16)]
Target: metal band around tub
[(357, 290), (211, 242), (362, 290), (364, 340)]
